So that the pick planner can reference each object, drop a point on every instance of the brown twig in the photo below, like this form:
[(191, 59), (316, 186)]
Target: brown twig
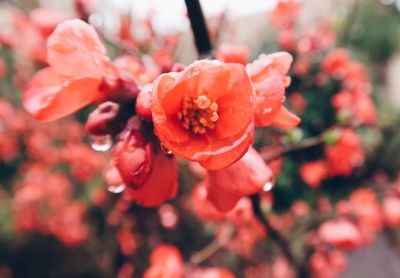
[(277, 238), (305, 144), (211, 248)]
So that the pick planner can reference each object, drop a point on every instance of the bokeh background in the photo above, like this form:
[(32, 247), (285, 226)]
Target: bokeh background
[(58, 217)]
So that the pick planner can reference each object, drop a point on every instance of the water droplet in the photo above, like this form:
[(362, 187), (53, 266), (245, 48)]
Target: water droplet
[(267, 110), (116, 189), (194, 72), (167, 152), (268, 186), (101, 143)]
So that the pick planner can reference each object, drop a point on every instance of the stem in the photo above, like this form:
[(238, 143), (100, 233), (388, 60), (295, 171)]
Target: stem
[(277, 238), (199, 28), (211, 248), (305, 144)]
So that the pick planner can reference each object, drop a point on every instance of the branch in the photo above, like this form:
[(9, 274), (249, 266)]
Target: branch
[(199, 28), (210, 249), (305, 144), (277, 238)]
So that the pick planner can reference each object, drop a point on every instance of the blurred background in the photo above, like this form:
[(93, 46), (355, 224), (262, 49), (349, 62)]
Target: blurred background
[(59, 218)]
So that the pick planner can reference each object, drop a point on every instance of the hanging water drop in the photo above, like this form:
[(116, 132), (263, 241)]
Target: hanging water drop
[(101, 143), (267, 186), (167, 152), (116, 189)]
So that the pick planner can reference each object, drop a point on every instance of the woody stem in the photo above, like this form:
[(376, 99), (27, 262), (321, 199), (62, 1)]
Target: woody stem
[(199, 28), (305, 144), (277, 238)]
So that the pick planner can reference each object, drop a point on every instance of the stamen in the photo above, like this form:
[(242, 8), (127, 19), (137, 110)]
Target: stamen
[(198, 114)]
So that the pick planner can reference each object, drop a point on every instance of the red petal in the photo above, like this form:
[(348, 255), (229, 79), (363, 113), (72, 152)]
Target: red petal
[(245, 177), (270, 95), (223, 200), (75, 50), (229, 156), (286, 119), (162, 184), (49, 96)]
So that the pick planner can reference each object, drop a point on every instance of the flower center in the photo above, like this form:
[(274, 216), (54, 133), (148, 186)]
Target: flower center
[(199, 114)]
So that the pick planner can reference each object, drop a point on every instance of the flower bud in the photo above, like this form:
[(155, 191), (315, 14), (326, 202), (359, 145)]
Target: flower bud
[(143, 103), (133, 163), (104, 120), (133, 154)]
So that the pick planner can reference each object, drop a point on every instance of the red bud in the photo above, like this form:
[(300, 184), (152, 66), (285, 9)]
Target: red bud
[(133, 163), (143, 103), (104, 120)]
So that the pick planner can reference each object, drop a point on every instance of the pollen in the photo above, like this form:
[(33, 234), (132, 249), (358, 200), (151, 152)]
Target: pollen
[(198, 114)]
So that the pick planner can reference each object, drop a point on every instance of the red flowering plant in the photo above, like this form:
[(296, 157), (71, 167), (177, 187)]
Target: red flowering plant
[(207, 160)]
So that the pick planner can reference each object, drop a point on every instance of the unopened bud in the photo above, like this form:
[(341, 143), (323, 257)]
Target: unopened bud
[(143, 103), (104, 120), (133, 163)]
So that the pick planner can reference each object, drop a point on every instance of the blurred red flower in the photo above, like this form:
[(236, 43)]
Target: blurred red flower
[(245, 177), (346, 154), (165, 261), (312, 173)]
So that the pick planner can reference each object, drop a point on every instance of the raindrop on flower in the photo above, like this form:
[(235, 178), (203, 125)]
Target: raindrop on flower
[(101, 143), (268, 186), (167, 152), (116, 189)]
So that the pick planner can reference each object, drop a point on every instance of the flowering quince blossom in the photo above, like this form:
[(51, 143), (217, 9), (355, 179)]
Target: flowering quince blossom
[(245, 177), (166, 261), (205, 112), (268, 75), (346, 154), (391, 210), (78, 65), (313, 173), (341, 233)]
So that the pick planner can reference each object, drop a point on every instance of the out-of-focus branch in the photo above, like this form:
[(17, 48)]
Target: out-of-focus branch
[(277, 238), (210, 249), (199, 28), (305, 144)]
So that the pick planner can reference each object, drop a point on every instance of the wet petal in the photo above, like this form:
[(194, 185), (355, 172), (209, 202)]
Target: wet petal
[(224, 157), (247, 176), (162, 184), (49, 96), (75, 50), (286, 119), (223, 200)]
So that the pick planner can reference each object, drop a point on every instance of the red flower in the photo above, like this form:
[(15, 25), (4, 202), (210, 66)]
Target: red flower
[(391, 210), (357, 104), (345, 155), (327, 264), (268, 74), (205, 112), (312, 173), (341, 233), (232, 54), (245, 177), (165, 261), (159, 187), (285, 13), (78, 64), (335, 62), (211, 273)]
